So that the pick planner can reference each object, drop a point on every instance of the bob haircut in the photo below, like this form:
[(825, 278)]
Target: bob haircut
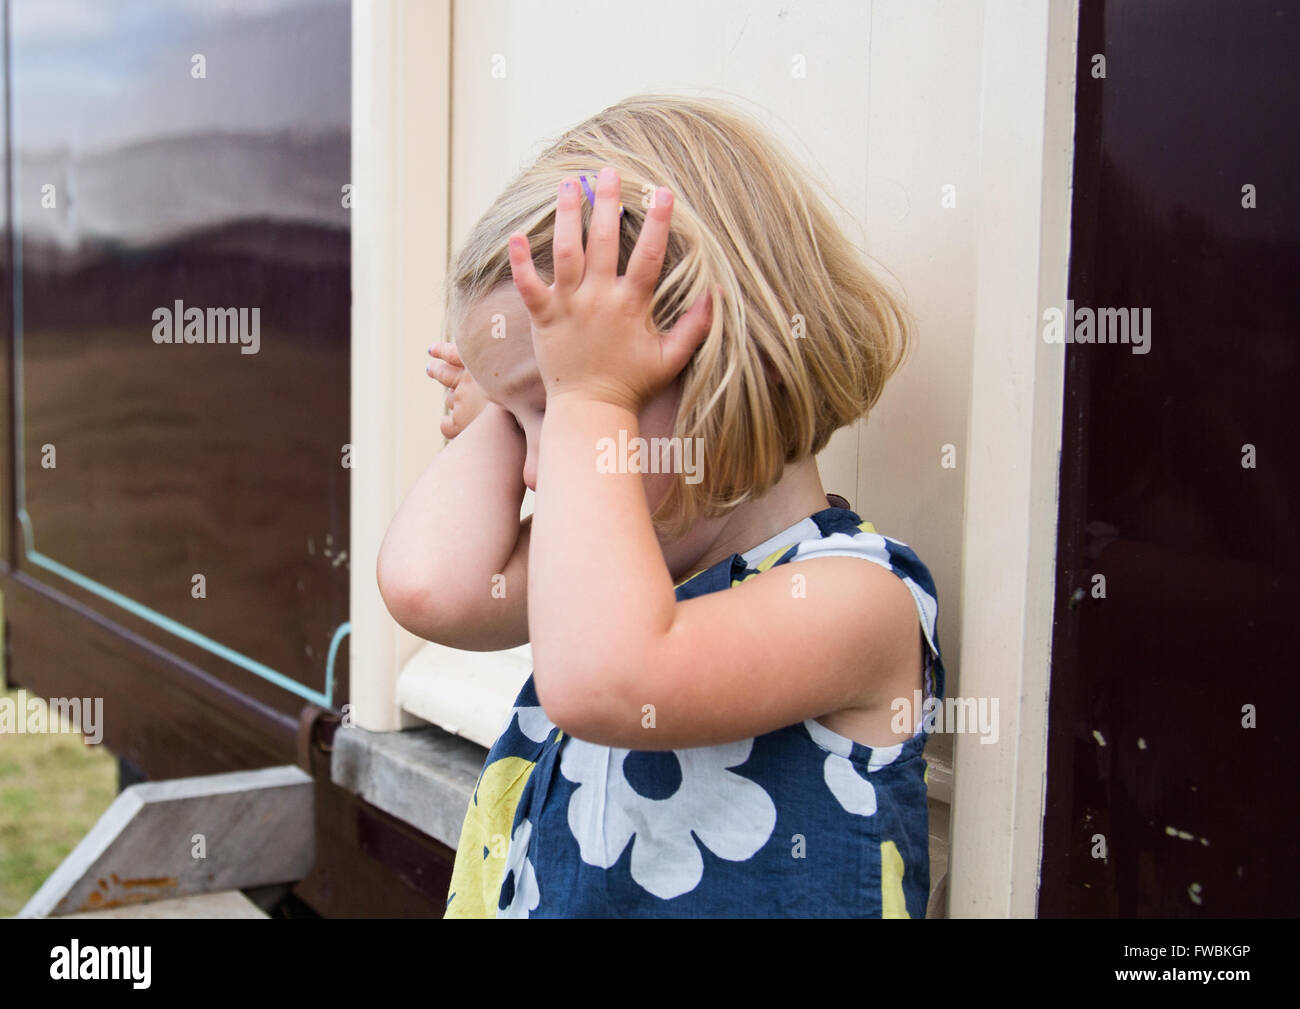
[(806, 336)]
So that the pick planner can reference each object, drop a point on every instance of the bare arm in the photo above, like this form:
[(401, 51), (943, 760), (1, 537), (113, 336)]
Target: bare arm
[(453, 567), (724, 666)]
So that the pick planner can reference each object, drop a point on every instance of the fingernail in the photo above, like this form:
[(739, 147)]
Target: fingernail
[(607, 174)]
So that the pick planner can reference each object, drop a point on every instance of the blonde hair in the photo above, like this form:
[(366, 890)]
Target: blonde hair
[(804, 336)]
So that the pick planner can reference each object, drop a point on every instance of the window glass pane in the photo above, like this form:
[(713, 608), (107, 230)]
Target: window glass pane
[(182, 302)]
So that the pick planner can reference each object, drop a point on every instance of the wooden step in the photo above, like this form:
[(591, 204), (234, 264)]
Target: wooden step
[(166, 840), (227, 904)]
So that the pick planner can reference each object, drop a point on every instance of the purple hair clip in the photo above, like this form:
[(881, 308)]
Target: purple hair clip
[(591, 194)]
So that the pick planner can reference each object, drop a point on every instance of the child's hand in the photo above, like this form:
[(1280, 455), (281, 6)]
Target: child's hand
[(465, 400), (592, 331)]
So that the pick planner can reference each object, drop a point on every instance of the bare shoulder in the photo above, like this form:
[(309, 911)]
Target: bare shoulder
[(895, 669), (804, 639), (864, 612)]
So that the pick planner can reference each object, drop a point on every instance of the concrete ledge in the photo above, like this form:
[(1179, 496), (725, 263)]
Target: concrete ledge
[(424, 777), (469, 694)]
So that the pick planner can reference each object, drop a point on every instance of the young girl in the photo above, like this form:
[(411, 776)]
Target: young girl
[(720, 719)]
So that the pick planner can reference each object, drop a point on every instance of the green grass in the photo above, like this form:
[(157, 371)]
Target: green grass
[(53, 787)]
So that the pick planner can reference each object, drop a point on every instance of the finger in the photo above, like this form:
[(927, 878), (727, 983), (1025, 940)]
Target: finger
[(448, 352), (603, 237), (680, 342), (647, 260), (566, 248), (448, 427), (443, 372), (469, 390), (536, 296)]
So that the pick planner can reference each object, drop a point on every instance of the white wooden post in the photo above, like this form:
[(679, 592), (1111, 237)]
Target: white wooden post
[(401, 54), (1013, 444)]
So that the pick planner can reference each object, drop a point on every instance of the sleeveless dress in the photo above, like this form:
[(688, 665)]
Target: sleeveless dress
[(800, 822)]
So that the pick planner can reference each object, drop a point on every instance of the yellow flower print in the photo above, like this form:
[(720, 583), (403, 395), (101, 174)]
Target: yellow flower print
[(485, 839)]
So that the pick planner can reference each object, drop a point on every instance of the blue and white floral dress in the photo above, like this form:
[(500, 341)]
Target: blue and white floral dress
[(800, 822)]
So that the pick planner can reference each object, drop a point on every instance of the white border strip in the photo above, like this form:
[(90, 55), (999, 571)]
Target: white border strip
[(1014, 437), (401, 122)]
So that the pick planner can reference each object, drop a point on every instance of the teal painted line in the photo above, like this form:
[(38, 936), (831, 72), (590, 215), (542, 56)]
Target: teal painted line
[(180, 630), (343, 630), (16, 246)]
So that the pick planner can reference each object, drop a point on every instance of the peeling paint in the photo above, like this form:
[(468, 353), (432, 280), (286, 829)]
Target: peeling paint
[(151, 881), (129, 891)]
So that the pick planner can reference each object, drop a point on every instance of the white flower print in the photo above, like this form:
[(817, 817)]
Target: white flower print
[(874, 547), (852, 791), (533, 723), (526, 896), (732, 816)]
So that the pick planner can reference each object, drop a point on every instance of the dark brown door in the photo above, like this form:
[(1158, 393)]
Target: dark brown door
[(1171, 765)]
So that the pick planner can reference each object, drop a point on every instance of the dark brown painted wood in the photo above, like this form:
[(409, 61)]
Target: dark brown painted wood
[(168, 717), (1147, 753), (368, 863)]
